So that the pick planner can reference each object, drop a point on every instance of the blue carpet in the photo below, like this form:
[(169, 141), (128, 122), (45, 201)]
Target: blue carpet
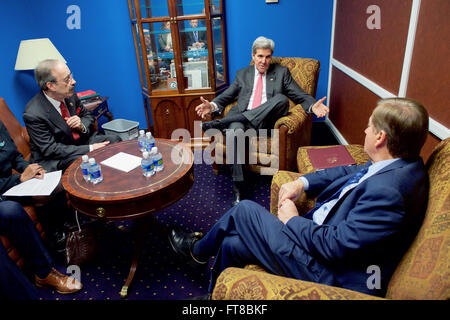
[(161, 275)]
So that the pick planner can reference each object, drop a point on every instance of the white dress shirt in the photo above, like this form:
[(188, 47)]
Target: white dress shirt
[(55, 103), (320, 214), (255, 80)]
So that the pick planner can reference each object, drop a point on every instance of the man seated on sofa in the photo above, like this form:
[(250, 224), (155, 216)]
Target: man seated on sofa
[(52, 212), (17, 226), (60, 128), (364, 215)]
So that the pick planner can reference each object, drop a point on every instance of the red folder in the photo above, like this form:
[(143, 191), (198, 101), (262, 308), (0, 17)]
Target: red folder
[(329, 157)]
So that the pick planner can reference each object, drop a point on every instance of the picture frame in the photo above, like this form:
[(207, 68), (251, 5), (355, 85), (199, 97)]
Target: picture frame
[(189, 70)]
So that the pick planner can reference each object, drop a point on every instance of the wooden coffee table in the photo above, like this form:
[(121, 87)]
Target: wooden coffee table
[(123, 195)]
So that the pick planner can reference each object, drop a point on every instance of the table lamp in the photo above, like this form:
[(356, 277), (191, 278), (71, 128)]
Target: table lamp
[(33, 51)]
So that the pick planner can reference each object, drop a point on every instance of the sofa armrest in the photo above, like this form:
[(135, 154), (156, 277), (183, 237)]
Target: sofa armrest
[(294, 120), (244, 284)]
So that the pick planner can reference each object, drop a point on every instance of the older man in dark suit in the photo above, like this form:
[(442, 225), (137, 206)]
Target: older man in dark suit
[(262, 92), (60, 128)]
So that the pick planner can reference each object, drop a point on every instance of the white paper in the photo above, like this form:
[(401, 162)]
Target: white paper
[(35, 186), (123, 162)]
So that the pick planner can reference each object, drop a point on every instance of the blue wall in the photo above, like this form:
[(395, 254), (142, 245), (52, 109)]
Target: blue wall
[(102, 56)]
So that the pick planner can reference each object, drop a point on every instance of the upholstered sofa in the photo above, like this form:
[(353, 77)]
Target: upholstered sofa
[(423, 272), (20, 136), (294, 128)]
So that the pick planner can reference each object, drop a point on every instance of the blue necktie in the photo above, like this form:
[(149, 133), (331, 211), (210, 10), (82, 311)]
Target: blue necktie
[(353, 179), (195, 36)]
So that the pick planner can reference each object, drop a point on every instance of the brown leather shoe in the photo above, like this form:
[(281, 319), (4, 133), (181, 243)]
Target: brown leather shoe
[(61, 283)]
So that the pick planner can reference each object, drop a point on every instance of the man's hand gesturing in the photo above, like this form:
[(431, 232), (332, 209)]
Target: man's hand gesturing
[(204, 108)]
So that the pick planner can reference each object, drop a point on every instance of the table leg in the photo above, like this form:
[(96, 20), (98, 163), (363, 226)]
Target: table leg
[(142, 227)]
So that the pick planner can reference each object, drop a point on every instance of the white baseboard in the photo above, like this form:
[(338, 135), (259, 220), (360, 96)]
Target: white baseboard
[(340, 138)]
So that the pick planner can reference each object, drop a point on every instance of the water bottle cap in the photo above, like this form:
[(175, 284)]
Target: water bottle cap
[(149, 134), (155, 150), (85, 158), (91, 161), (141, 132), (145, 154)]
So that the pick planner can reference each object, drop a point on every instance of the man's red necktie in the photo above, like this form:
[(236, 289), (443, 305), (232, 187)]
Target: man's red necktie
[(65, 114), (258, 92)]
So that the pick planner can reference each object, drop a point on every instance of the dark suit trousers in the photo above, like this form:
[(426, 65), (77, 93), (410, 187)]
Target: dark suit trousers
[(20, 230), (262, 117), (249, 234), (96, 137)]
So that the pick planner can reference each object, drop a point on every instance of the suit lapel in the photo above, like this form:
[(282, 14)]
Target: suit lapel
[(70, 106), (396, 164), (53, 116), (271, 77)]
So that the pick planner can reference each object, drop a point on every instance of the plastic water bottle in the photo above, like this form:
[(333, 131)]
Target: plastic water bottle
[(157, 159), (149, 141), (147, 165), (85, 167), (141, 140), (95, 172)]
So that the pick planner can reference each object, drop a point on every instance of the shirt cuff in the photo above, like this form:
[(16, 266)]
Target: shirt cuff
[(214, 106), (91, 148), (305, 183), (83, 128)]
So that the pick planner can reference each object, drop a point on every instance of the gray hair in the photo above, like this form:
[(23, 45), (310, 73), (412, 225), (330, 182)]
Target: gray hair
[(263, 43), (43, 73)]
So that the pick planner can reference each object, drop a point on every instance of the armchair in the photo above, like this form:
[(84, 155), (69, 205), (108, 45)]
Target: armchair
[(423, 273), (294, 128)]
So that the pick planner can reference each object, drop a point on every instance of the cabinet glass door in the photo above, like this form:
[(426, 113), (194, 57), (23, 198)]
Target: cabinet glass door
[(194, 46), (190, 7), (158, 44), (216, 24), (153, 8)]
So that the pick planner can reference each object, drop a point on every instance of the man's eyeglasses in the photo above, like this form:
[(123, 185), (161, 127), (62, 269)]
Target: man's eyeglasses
[(67, 79)]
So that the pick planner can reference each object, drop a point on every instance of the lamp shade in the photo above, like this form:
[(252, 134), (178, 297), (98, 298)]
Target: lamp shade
[(33, 51)]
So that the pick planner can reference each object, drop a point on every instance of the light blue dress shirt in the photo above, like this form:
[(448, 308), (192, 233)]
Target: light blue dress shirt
[(320, 214)]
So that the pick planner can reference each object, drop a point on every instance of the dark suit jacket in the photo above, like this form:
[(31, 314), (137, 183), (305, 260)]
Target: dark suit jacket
[(373, 224), (190, 39), (10, 158), (50, 137), (278, 81)]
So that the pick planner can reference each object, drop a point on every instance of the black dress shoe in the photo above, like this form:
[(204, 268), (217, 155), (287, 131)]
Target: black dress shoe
[(214, 124), (57, 241), (182, 242)]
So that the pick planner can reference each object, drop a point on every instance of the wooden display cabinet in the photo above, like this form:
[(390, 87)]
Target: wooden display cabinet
[(180, 47)]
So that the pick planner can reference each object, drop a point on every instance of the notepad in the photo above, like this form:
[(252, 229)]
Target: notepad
[(35, 186), (123, 161)]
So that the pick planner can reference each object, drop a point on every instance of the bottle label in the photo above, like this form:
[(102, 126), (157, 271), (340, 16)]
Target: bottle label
[(95, 174), (158, 163), (148, 167), (85, 171)]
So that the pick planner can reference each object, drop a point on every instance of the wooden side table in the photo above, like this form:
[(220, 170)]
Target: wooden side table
[(130, 195)]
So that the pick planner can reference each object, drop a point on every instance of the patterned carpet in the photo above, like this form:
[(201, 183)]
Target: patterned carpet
[(161, 275)]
